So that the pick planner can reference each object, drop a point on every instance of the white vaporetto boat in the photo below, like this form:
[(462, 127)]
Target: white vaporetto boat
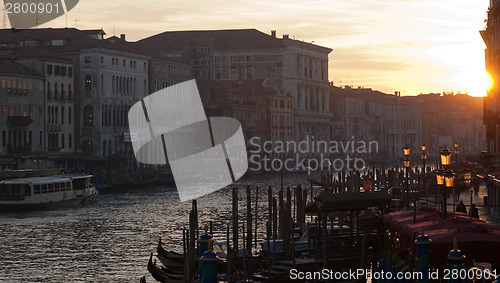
[(45, 192)]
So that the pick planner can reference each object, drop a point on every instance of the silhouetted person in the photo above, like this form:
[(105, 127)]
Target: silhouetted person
[(474, 212), (461, 207)]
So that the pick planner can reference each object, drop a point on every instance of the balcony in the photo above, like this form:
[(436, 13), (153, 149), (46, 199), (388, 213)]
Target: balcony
[(55, 127), (19, 120), (17, 91), (19, 149)]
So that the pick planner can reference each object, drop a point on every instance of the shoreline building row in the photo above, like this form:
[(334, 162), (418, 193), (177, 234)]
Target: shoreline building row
[(83, 85)]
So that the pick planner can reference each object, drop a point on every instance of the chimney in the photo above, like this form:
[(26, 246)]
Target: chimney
[(285, 36), (273, 33), (122, 36)]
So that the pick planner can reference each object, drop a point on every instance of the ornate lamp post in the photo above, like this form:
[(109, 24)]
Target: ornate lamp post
[(406, 163), (423, 156), (445, 163), (439, 182), (456, 152), (449, 180)]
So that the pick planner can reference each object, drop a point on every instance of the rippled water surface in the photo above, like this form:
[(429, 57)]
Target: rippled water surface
[(110, 239)]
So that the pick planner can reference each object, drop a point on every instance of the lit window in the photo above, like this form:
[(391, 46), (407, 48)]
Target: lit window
[(88, 82)]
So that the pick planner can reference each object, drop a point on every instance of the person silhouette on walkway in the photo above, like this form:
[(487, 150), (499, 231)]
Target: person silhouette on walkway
[(461, 207), (474, 213)]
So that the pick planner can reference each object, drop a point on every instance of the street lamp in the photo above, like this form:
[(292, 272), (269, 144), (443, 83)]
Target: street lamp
[(406, 151), (423, 156), (445, 157), (439, 181), (456, 152), (449, 179), (406, 163)]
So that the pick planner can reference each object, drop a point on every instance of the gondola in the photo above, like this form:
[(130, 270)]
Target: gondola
[(171, 264), (168, 254), (158, 275), (163, 274)]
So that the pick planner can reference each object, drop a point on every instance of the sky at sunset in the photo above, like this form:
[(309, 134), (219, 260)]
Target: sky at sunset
[(412, 46)]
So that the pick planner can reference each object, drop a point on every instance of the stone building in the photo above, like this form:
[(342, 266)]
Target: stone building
[(22, 115), (364, 115), (491, 37), (296, 68), (59, 102)]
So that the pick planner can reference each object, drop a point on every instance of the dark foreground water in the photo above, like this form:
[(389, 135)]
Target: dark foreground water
[(110, 239)]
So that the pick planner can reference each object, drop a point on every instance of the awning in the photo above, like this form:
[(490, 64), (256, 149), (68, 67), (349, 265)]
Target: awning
[(479, 241)]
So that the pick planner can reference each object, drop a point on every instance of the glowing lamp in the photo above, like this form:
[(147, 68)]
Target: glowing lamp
[(440, 177), (406, 162), (445, 157), (406, 150), (449, 178)]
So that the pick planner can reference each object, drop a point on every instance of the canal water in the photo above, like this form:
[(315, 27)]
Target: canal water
[(110, 239)]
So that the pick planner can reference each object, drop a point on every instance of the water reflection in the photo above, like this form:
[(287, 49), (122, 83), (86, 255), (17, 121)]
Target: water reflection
[(110, 239)]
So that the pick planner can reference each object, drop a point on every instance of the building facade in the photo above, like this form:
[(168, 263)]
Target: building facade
[(22, 115), (59, 104), (491, 37), (290, 66)]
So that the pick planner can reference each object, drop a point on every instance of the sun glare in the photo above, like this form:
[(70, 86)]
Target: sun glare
[(490, 82)]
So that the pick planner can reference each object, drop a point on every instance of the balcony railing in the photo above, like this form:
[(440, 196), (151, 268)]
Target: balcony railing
[(17, 91), (19, 148), (19, 120)]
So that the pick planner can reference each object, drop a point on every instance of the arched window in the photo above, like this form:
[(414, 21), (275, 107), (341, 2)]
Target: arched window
[(88, 82), (62, 140), (88, 116), (69, 115), (55, 115), (62, 114), (70, 141)]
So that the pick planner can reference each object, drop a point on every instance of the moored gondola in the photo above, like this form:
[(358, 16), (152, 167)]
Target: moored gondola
[(169, 254), (163, 274)]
